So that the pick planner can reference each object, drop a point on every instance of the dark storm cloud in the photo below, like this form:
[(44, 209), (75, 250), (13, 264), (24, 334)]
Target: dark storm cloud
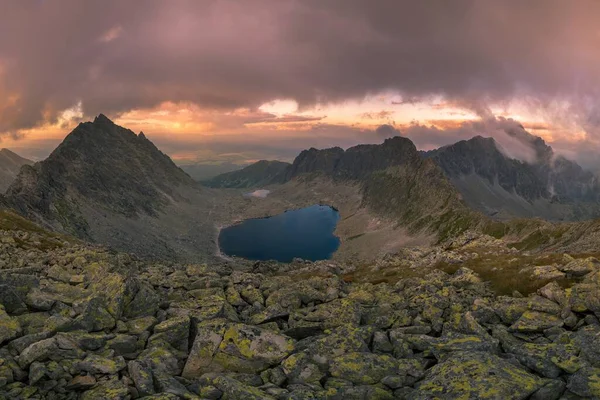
[(117, 55)]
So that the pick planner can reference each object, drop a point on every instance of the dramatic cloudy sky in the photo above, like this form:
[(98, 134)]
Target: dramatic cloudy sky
[(241, 80)]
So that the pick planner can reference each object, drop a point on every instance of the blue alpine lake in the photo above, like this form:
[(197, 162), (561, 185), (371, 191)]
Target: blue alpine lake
[(306, 233)]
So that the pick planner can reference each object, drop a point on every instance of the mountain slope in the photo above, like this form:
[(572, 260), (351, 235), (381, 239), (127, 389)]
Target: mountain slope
[(549, 187), (261, 173), (105, 164), (106, 184), (201, 172), (10, 165)]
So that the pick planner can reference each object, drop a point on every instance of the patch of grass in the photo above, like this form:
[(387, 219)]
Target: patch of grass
[(495, 229), (503, 271), (10, 221), (303, 276)]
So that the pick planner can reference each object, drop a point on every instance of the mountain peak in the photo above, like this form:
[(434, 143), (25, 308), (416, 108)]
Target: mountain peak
[(6, 151), (104, 165), (102, 119)]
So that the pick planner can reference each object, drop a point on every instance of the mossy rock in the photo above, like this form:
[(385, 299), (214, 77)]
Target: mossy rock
[(533, 321), (585, 383), (363, 368), (9, 326), (476, 375), (112, 389)]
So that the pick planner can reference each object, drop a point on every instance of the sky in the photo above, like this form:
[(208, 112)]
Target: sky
[(237, 81)]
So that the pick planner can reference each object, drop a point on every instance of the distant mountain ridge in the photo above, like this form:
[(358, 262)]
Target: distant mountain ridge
[(550, 187), (10, 165), (261, 173), (200, 171)]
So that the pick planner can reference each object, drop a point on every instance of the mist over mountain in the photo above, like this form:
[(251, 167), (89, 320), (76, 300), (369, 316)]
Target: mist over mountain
[(10, 165), (548, 186)]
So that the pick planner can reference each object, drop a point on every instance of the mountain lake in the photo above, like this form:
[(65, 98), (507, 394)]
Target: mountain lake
[(305, 233)]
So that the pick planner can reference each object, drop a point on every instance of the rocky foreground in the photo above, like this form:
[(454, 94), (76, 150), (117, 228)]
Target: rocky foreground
[(81, 322)]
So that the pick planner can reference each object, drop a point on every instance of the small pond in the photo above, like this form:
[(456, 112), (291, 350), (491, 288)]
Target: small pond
[(306, 233)]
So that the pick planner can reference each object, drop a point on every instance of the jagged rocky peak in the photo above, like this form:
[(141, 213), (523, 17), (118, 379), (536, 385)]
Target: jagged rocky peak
[(541, 185), (98, 163), (356, 162)]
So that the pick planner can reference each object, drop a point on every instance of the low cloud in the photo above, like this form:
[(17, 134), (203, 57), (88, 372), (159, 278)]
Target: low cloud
[(513, 140)]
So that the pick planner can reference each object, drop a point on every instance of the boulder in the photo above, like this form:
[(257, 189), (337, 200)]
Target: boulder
[(476, 375), (580, 267), (174, 332), (302, 368), (533, 321), (81, 382), (549, 360), (140, 325), (95, 364), (364, 368), (326, 315), (47, 349), (145, 302), (236, 348), (233, 389), (95, 317), (546, 272), (10, 299), (142, 377), (585, 383), (162, 359), (38, 300), (9, 326), (587, 341), (112, 389)]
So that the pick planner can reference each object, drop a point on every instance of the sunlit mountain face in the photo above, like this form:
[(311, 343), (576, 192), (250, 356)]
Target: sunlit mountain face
[(231, 82)]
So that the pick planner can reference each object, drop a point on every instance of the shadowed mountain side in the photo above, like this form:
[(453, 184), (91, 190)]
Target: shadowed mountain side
[(261, 173), (10, 165)]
